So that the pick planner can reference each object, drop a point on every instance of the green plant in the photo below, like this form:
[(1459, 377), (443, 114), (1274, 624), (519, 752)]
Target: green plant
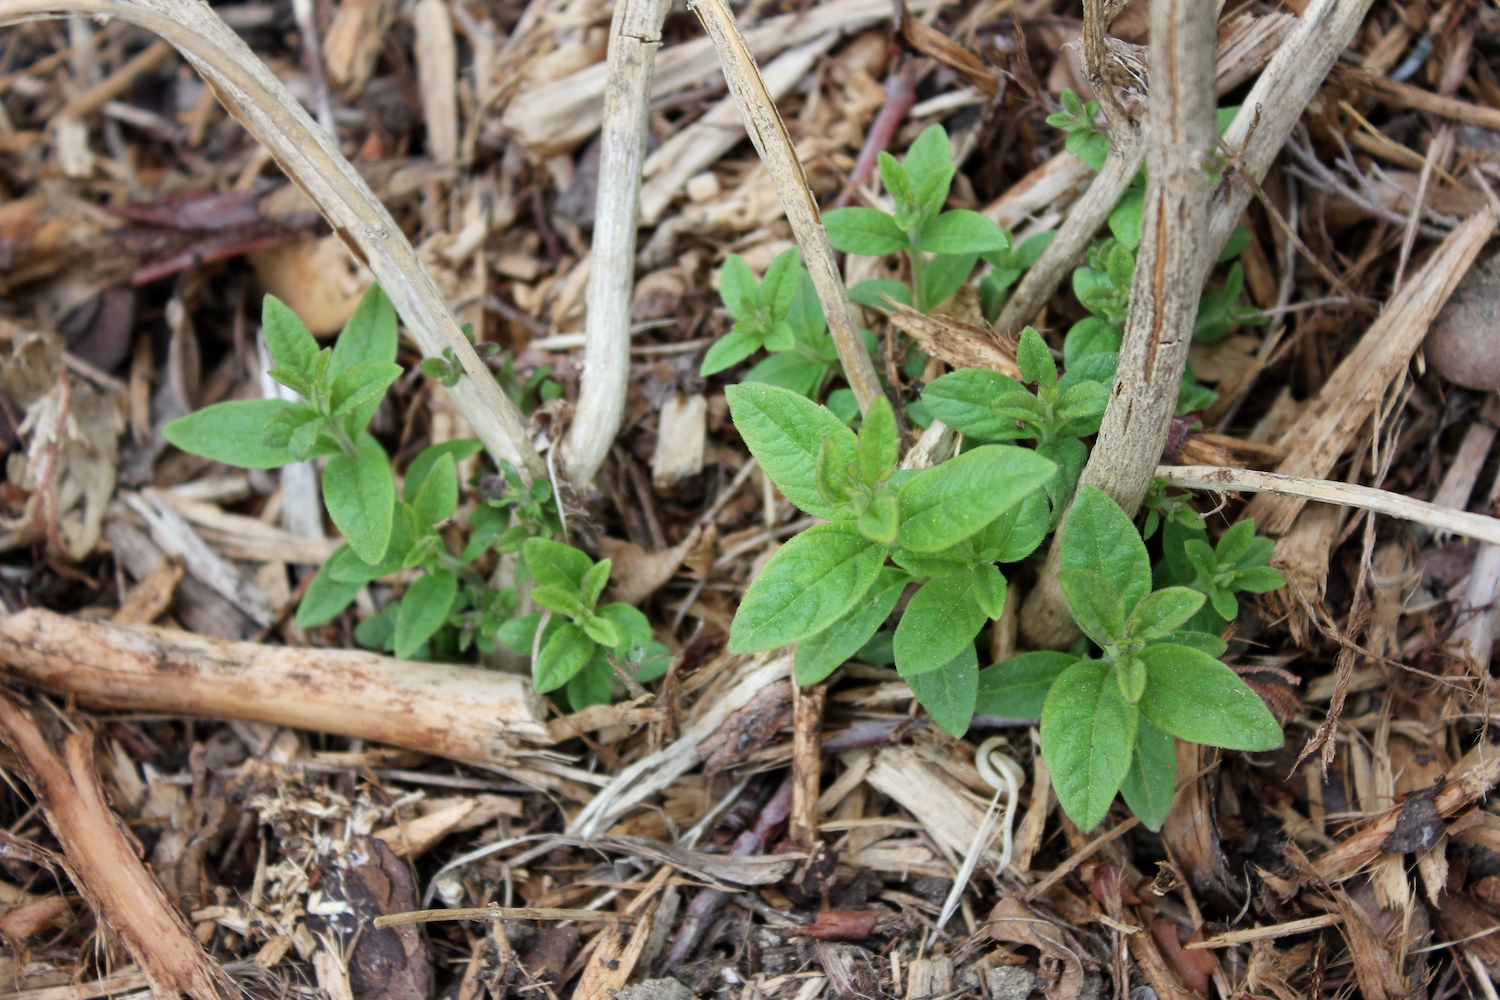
[(830, 588), (1085, 139), (1008, 265), (780, 314), (919, 227), (1240, 562), (988, 406), (581, 644), (1108, 723)]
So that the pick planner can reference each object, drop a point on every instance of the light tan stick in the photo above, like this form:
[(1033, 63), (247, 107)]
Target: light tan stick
[(1164, 295), (118, 82), (103, 864), (634, 37), (497, 912), (1328, 427), (1277, 101), (458, 712), (768, 133), (1227, 480), (253, 94), (1080, 856), (807, 762), (1231, 939)]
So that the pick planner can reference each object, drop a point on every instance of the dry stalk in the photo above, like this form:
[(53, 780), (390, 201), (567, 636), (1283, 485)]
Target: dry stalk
[(1258, 132), (306, 153), (1126, 153), (103, 863), (768, 133), (634, 37), (1164, 295), (1221, 479), (459, 712)]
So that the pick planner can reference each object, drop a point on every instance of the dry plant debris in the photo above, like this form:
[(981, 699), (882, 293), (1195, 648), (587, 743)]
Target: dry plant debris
[(212, 790)]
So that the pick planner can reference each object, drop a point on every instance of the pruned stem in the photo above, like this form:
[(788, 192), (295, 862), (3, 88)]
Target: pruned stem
[(308, 155), (634, 37), (768, 133)]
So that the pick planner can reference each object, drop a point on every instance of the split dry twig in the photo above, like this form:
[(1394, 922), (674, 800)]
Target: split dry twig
[(768, 133), (497, 912)]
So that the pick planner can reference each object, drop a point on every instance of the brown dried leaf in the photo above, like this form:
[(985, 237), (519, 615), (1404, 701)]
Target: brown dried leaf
[(387, 964), (959, 344), (637, 574), (1013, 922)]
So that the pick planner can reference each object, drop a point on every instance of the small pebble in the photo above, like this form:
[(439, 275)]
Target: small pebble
[(1010, 982), (1463, 344)]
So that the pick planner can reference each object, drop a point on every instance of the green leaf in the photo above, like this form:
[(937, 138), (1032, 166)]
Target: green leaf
[(424, 609), (941, 618), (895, 178), (555, 564), (370, 334), (1203, 642), (1098, 536), (931, 152), (808, 584), (1094, 605), (1017, 688), (655, 663), (601, 630), (591, 685), (1152, 779), (932, 193), (1130, 673), (421, 466), (1259, 579), (1071, 455), (1088, 737), (945, 274), (962, 400), (362, 383), (961, 231), (518, 634), (360, 494), (560, 600), (790, 370), (784, 432), (1163, 612), (1125, 220), (1015, 534), (866, 231), (949, 693), (324, 599), (291, 346), (989, 589), (834, 484), (1234, 543), (1090, 335), (562, 656), (293, 381), (285, 423), (821, 654), (949, 503), (1034, 359), (738, 288), (232, 433), (881, 520), (634, 630), (872, 293), (1195, 697), (1082, 399), (732, 348), (780, 284), (878, 442), (594, 581), (438, 498), (1174, 538)]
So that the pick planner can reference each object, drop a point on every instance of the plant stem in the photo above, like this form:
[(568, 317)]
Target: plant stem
[(918, 278), (346, 444), (1165, 291)]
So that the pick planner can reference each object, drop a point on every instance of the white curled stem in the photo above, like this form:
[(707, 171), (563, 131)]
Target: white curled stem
[(1004, 776)]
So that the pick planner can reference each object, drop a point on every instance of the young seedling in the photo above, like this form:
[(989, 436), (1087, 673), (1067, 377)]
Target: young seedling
[(1239, 562), (1086, 140), (1008, 265), (830, 588), (580, 639), (988, 406), (919, 227), (780, 314), (1108, 723)]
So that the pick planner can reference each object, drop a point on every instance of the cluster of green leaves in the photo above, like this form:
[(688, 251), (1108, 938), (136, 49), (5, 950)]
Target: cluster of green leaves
[(986, 406), (1108, 722), (780, 314), (1007, 267), (1086, 140), (1240, 562), (580, 639), (830, 588), (919, 227)]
